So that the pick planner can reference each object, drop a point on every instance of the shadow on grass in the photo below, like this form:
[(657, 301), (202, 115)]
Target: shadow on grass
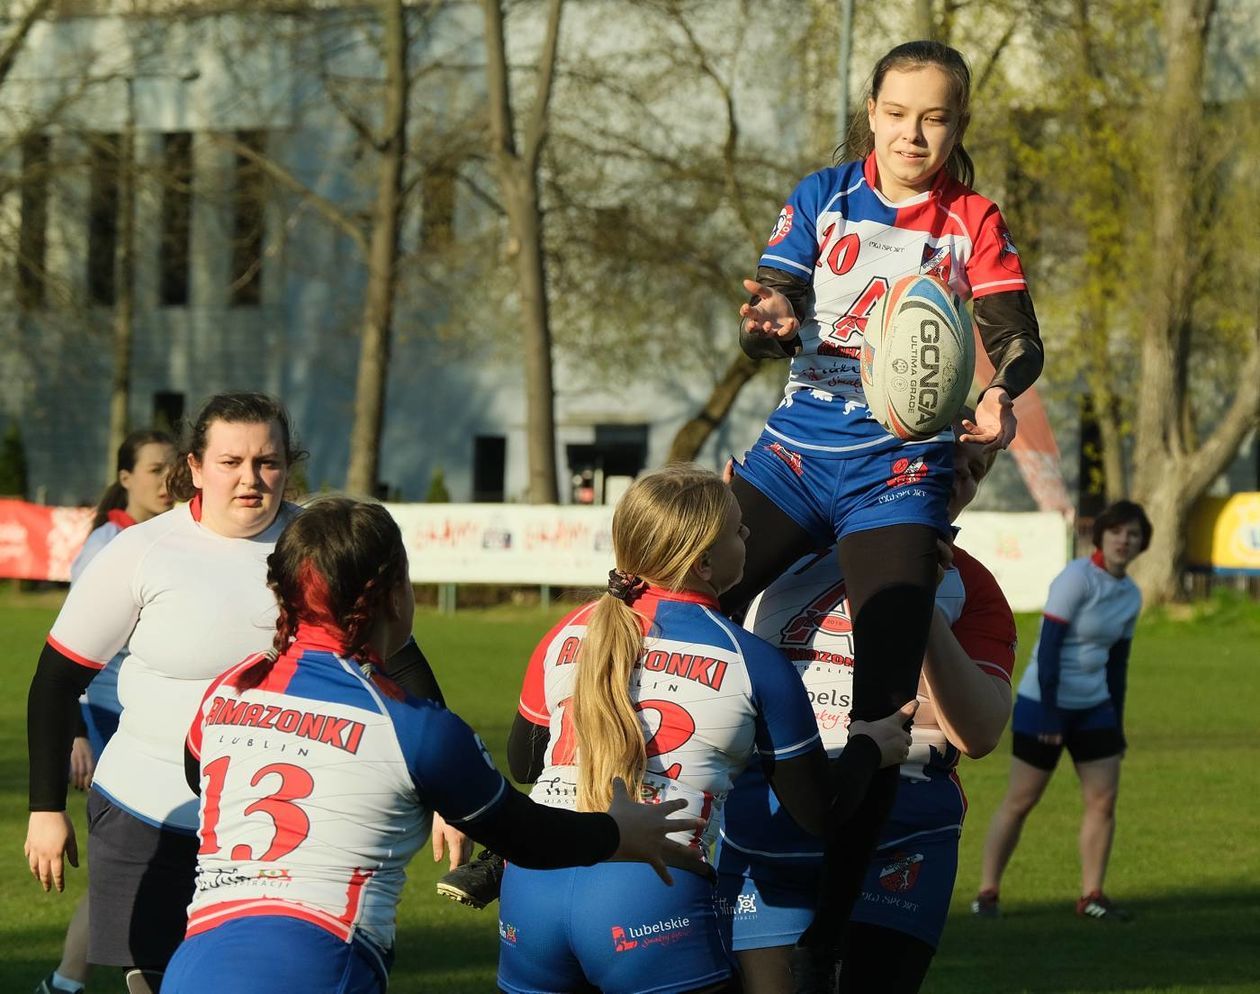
[(1188, 940)]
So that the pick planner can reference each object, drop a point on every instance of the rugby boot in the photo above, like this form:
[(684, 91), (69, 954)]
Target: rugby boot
[(476, 883), (986, 905), (1098, 905)]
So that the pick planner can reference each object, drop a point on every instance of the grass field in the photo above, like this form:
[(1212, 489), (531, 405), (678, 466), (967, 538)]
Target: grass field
[(1186, 858)]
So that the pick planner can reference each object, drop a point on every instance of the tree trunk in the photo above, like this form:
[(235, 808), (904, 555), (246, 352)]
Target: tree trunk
[(692, 435), (124, 292), (518, 179), (378, 307)]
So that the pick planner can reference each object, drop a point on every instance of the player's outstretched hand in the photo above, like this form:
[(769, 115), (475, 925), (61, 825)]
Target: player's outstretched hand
[(644, 832), (769, 314), (995, 423), (891, 733), (49, 842)]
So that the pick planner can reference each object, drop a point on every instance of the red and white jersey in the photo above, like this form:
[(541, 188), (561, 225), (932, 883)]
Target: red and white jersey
[(806, 614), (710, 697), (839, 232), (318, 786), (183, 600)]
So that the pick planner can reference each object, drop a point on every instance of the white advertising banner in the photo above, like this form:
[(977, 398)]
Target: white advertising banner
[(571, 546), (1023, 551)]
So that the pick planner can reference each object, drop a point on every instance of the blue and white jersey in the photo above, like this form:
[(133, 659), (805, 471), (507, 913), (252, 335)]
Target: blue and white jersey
[(319, 785), (840, 233), (1099, 610), (711, 698)]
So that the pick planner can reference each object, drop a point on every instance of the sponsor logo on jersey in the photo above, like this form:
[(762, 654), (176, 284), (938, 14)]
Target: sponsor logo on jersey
[(664, 932), (906, 471), (507, 933), (936, 262), (900, 875), (704, 670), (783, 225), (568, 650), (1008, 245), (792, 459), (825, 613), (326, 729)]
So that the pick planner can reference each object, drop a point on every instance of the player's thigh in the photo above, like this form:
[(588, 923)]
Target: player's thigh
[(535, 952), (632, 933), (907, 889), (909, 485), (1100, 781), (767, 908)]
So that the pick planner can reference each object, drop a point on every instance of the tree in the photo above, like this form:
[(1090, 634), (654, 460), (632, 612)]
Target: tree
[(1172, 466), (517, 172)]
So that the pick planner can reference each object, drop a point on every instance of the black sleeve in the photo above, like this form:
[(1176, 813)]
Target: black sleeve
[(1118, 675), (1008, 328), (813, 789), (526, 748), (52, 710), (192, 771), (409, 668), (541, 838), (799, 292)]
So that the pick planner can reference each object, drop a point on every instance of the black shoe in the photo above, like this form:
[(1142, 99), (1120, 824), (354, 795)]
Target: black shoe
[(476, 883), (46, 986), (1100, 908)]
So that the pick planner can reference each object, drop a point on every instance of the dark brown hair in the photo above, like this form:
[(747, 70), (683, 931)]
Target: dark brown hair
[(115, 496), (860, 142), (1122, 512), (334, 565), (234, 408)]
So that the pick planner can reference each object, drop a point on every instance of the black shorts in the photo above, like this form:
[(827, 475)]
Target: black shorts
[(1088, 734), (140, 882)]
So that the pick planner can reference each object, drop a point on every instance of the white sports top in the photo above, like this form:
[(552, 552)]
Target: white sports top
[(186, 602)]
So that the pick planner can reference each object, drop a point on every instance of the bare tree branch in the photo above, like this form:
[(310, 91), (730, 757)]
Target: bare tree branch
[(536, 127), (9, 53)]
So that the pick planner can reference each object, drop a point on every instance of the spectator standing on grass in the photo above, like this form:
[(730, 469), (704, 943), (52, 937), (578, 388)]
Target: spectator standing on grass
[(1072, 696), (138, 493)]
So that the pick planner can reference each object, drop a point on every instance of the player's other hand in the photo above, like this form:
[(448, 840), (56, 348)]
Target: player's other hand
[(82, 763), (49, 842), (891, 733), (769, 313), (644, 832), (447, 838), (995, 423)]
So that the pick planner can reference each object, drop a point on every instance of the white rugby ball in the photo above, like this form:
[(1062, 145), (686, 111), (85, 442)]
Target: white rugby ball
[(918, 357)]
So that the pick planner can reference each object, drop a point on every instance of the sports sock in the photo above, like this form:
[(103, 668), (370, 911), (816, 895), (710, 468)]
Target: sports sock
[(66, 984)]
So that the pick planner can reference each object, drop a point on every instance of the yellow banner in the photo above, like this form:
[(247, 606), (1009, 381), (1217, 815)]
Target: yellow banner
[(1224, 533)]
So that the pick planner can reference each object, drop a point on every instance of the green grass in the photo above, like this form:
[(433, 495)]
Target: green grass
[(1186, 858)]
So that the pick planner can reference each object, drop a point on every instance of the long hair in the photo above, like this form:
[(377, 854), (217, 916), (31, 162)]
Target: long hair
[(234, 408), (664, 524), (334, 566), (860, 142), (115, 496)]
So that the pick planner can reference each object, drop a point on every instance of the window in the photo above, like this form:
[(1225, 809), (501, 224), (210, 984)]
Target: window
[(168, 411), (249, 223), (103, 194), (173, 252), (33, 234), (489, 467)]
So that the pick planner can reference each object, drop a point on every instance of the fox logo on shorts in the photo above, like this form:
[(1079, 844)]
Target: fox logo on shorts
[(906, 471), (622, 944), (900, 875), (823, 614)]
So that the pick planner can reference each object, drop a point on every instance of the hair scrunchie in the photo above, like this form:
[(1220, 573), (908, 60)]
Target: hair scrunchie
[(625, 586)]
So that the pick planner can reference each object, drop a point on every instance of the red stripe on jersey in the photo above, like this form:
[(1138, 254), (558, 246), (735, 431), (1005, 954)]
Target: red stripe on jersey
[(354, 895), (277, 681), (216, 914), (120, 518), (74, 657), (1056, 619)]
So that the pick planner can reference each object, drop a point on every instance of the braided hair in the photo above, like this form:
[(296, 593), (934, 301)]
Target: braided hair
[(335, 566)]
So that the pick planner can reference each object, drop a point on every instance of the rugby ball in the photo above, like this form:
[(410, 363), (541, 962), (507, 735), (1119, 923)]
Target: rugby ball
[(918, 357)]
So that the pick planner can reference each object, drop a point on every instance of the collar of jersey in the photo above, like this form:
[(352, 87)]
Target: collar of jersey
[(324, 638), (121, 518), (870, 172), (683, 596)]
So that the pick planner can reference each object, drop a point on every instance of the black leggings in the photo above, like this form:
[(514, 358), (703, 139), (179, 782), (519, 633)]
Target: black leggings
[(884, 960), (890, 575)]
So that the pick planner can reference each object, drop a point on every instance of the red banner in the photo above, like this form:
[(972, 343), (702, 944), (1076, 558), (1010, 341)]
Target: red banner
[(1035, 451), (38, 542)]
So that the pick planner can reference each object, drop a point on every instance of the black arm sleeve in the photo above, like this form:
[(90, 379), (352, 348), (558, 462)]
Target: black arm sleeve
[(52, 710), (812, 789), (1118, 675), (526, 749), (1008, 328), (541, 838), (409, 668), (799, 293)]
